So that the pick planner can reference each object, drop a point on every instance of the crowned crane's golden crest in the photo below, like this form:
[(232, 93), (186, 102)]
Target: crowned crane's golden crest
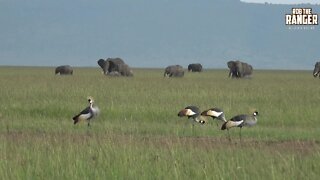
[(90, 99)]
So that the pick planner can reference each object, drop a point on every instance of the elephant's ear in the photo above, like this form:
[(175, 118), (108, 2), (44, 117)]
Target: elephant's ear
[(102, 63), (230, 64)]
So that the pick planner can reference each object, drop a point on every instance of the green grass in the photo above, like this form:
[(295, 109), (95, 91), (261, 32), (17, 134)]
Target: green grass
[(138, 134)]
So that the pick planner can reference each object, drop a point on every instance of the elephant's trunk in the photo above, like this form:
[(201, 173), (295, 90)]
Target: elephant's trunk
[(316, 72)]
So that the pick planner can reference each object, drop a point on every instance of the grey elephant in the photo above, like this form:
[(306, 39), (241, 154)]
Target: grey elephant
[(64, 70), (112, 65), (316, 71), (174, 71), (196, 67), (238, 69)]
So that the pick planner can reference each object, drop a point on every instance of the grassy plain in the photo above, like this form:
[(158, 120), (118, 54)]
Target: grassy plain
[(138, 134)]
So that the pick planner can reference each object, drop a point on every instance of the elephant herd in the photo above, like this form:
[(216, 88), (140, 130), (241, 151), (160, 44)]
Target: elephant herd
[(117, 67), (110, 67), (237, 69), (177, 70)]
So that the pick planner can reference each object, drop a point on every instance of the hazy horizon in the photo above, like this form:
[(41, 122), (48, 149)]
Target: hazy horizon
[(150, 33)]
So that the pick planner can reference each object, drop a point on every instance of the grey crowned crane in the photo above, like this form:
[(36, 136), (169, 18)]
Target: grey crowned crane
[(192, 112), (215, 113), (240, 121), (88, 113)]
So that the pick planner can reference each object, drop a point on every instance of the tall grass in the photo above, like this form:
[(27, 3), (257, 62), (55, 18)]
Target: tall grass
[(138, 134)]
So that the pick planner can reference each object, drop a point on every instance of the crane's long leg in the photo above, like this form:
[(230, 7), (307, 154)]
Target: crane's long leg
[(192, 128), (240, 134), (229, 135)]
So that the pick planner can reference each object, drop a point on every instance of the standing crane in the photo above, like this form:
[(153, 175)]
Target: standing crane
[(240, 121), (88, 113)]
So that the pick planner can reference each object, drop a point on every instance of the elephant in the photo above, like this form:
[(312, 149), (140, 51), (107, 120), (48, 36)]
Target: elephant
[(316, 71), (114, 65), (197, 67), (174, 71), (64, 70), (239, 69)]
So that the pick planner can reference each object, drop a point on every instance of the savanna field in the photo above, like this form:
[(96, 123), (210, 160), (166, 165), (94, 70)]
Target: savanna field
[(138, 134)]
